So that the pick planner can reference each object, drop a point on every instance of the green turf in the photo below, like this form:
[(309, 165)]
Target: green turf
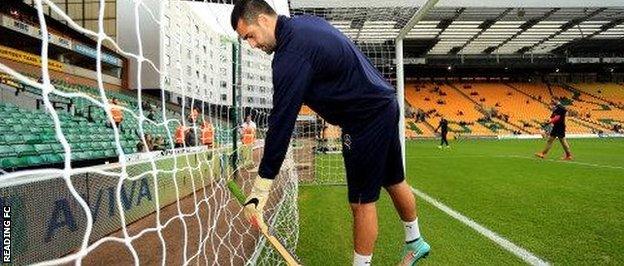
[(565, 213)]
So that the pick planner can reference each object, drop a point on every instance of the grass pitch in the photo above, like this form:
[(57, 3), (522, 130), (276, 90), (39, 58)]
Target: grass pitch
[(563, 212)]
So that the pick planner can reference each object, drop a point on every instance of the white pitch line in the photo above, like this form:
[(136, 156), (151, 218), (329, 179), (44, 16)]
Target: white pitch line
[(522, 253), (520, 157), (572, 162)]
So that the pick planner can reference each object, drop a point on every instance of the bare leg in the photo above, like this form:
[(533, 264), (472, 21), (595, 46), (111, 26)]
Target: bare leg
[(364, 227), (548, 145), (566, 146), (404, 201)]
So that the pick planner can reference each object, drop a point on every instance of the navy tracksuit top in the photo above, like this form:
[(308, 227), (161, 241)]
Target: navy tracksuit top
[(316, 64)]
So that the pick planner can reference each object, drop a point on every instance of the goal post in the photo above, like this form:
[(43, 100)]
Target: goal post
[(400, 70)]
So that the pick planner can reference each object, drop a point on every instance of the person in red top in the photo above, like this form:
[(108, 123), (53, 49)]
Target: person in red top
[(557, 119)]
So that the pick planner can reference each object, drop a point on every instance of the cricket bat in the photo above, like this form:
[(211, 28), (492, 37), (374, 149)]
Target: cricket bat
[(264, 229)]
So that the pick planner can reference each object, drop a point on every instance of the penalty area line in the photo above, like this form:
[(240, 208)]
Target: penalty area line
[(520, 252)]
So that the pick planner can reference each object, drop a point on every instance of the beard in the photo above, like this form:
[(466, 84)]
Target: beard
[(268, 49)]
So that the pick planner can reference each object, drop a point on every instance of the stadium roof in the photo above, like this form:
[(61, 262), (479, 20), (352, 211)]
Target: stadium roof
[(448, 30)]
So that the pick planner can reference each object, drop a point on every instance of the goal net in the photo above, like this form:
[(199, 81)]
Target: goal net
[(95, 173), (115, 176)]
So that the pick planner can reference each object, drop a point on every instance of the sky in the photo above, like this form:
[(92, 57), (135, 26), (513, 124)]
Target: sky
[(217, 16)]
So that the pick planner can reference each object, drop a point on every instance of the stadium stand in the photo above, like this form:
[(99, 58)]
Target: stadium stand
[(604, 103), (28, 139), (494, 108), (473, 109), (436, 100)]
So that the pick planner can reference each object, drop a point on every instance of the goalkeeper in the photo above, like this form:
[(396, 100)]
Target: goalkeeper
[(316, 64)]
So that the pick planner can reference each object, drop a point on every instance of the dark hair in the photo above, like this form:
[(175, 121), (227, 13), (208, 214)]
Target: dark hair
[(249, 10)]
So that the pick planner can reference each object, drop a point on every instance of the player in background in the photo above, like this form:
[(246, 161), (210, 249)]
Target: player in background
[(443, 126), (557, 119), (117, 112), (248, 137), (207, 133), (248, 131), (316, 64)]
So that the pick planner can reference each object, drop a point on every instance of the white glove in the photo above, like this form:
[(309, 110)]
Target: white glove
[(254, 205)]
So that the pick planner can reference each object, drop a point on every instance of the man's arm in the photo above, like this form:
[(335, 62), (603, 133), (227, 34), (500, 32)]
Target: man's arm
[(291, 78)]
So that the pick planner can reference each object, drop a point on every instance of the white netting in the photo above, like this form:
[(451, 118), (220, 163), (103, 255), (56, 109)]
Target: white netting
[(153, 203)]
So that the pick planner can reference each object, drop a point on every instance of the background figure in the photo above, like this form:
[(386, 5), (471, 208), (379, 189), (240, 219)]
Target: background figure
[(180, 136), (248, 131), (141, 147), (443, 126), (557, 119), (117, 113), (207, 134)]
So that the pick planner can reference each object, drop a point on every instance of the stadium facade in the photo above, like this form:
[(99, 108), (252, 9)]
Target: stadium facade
[(195, 60)]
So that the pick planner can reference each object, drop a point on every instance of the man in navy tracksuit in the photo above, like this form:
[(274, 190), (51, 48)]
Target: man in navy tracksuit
[(316, 64)]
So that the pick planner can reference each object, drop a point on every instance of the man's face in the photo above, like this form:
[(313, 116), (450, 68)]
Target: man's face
[(259, 35)]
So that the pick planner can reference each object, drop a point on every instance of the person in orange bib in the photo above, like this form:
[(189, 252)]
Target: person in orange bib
[(180, 135), (117, 113), (207, 134), (249, 131)]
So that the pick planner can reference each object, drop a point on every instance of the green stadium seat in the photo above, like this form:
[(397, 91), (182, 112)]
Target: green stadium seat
[(110, 153), (79, 156), (128, 136), (48, 138), (93, 138), (129, 150), (43, 148), (13, 139), (72, 138), (34, 160), (91, 145), (15, 114), (6, 120), (20, 127), (52, 158), (57, 148), (11, 162), (109, 137), (36, 130), (92, 130), (7, 151), (25, 150), (102, 145), (76, 147), (98, 154), (31, 138)]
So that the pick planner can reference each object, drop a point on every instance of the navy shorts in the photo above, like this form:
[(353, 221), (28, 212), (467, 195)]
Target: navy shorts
[(372, 157), (557, 132)]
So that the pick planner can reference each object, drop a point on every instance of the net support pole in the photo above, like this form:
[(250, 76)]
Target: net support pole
[(236, 82), (401, 95), (420, 13)]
